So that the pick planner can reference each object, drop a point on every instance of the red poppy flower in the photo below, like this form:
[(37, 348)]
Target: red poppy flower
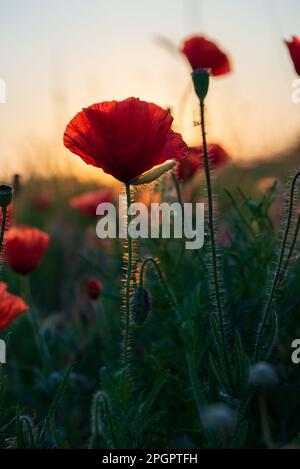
[(93, 289), (43, 200), (11, 306), (87, 203), (294, 49), (125, 138), (188, 166), (24, 248), (216, 154), (203, 53)]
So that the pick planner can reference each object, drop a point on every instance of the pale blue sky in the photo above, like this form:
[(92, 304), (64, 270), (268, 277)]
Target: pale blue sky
[(57, 56)]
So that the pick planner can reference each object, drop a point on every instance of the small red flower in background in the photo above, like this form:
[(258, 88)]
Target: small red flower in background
[(43, 200), (203, 53), (11, 306), (188, 166), (294, 49), (216, 154), (88, 202), (93, 289), (124, 138), (24, 248)]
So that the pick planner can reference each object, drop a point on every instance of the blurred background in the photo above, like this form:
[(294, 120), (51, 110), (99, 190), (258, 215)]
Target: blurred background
[(57, 56)]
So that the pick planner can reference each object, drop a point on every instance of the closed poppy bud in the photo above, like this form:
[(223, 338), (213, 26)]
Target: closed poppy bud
[(219, 417), (200, 78), (263, 374), (93, 289), (294, 49), (6, 193), (140, 306)]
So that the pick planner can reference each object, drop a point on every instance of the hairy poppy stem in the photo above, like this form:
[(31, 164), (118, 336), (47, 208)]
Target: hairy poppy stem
[(164, 284), (212, 238), (128, 285), (4, 214), (279, 270)]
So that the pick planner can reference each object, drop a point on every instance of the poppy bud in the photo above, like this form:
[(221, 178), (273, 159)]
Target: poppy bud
[(154, 173), (93, 289), (263, 374), (200, 78), (140, 306), (219, 417), (5, 195)]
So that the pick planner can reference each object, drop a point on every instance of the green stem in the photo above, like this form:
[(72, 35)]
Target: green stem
[(4, 213), (128, 285), (36, 327), (212, 240), (168, 291), (278, 273), (266, 431)]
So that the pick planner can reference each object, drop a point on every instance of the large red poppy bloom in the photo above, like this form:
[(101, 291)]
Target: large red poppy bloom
[(194, 161), (203, 53), (11, 306), (24, 248), (294, 49), (125, 138), (88, 202)]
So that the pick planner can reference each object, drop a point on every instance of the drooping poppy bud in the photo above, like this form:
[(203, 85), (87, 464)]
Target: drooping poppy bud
[(93, 289), (140, 306)]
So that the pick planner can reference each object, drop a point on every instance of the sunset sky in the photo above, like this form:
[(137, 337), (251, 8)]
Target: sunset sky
[(57, 56)]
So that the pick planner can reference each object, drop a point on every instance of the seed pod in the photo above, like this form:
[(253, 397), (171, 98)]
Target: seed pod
[(6, 193), (200, 78), (140, 306), (263, 374)]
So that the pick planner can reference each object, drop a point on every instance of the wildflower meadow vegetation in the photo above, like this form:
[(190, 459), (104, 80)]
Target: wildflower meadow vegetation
[(141, 343)]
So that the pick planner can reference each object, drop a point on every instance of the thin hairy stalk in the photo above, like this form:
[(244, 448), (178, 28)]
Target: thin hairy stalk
[(4, 214), (128, 285), (291, 250), (278, 272), (213, 241), (164, 284)]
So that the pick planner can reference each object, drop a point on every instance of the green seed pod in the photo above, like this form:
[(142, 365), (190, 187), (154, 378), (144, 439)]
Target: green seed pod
[(200, 78), (6, 193), (140, 306)]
